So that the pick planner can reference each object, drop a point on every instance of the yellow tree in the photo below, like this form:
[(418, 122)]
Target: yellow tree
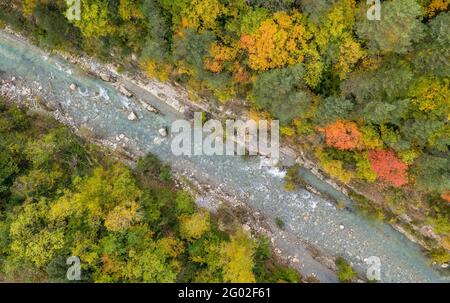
[(94, 21), (279, 41), (130, 9), (432, 96), (28, 7), (437, 6), (194, 226), (122, 216), (220, 54), (33, 237), (336, 27), (237, 258), (195, 14)]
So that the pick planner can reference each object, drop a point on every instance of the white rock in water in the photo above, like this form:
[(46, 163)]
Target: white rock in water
[(132, 116), (157, 141), (163, 132), (445, 265), (73, 86)]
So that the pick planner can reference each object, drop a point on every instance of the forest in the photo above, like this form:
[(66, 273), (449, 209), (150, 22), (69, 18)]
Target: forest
[(61, 197), (368, 99)]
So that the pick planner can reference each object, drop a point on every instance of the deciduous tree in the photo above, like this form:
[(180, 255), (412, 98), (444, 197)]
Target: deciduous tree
[(398, 29), (343, 135), (388, 167)]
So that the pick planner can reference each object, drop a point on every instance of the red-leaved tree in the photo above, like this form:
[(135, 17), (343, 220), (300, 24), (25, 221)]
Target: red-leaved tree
[(388, 167), (446, 196), (343, 135)]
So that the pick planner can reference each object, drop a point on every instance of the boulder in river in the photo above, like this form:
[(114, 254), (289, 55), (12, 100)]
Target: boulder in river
[(148, 107), (151, 109), (105, 77), (132, 116), (163, 132), (124, 91)]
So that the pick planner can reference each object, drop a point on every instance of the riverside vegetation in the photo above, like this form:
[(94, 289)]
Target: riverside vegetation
[(368, 100)]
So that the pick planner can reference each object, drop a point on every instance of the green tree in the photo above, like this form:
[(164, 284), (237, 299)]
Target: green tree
[(283, 93), (432, 173), (390, 81), (400, 26), (54, 28), (333, 108), (432, 54), (159, 35), (191, 49)]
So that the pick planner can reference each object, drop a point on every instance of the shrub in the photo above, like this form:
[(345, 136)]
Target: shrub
[(345, 271), (280, 223)]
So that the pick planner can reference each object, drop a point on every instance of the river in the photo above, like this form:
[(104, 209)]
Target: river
[(308, 218)]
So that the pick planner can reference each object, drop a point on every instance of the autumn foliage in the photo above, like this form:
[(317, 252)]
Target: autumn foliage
[(343, 135), (279, 41), (437, 6), (446, 196), (388, 167), (220, 54)]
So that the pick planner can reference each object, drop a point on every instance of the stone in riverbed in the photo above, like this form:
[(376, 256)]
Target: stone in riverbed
[(163, 132), (148, 107), (157, 141), (132, 116), (105, 77), (151, 108), (124, 91), (73, 86), (246, 228)]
